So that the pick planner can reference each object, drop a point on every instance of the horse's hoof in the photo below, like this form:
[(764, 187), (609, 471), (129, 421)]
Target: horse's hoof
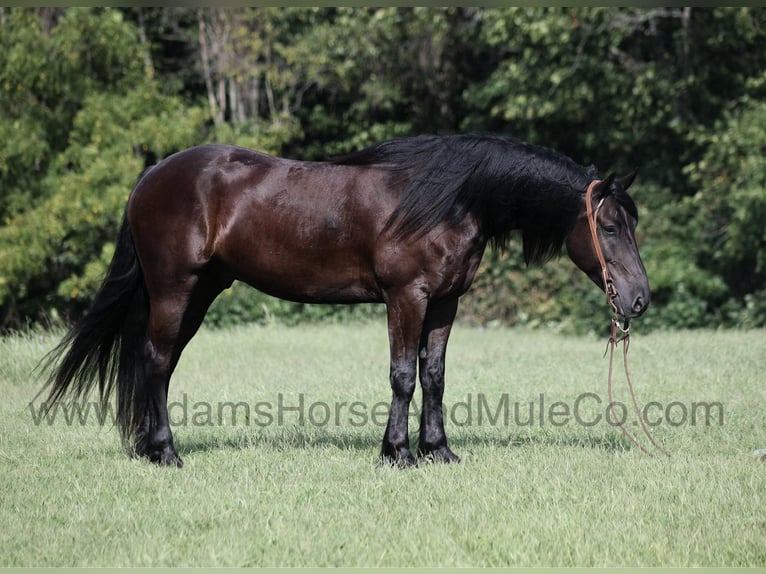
[(166, 456), (169, 460), (440, 454), (161, 455), (400, 458)]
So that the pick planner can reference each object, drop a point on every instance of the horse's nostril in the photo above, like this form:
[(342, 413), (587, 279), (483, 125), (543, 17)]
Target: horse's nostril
[(638, 304)]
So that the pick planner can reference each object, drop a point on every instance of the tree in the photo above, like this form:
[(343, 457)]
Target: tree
[(90, 97), (114, 120), (730, 204), (387, 72)]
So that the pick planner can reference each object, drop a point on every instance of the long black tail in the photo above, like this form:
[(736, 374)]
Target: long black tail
[(107, 345)]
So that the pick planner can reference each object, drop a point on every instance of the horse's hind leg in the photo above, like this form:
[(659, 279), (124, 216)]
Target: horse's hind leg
[(174, 318), (155, 440)]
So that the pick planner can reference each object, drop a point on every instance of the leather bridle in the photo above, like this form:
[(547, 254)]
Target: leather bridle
[(609, 287), (611, 295)]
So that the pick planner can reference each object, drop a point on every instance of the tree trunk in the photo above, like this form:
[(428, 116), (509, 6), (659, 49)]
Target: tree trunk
[(215, 108)]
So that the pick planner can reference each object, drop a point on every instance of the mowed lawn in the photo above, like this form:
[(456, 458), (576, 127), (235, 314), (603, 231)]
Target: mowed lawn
[(280, 428)]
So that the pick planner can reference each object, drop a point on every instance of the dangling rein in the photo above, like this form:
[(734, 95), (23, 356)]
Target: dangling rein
[(611, 295)]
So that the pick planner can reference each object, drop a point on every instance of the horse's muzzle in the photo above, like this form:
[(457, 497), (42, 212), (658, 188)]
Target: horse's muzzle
[(637, 307)]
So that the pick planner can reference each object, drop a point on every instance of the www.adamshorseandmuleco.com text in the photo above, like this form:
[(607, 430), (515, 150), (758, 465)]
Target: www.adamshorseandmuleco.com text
[(587, 410)]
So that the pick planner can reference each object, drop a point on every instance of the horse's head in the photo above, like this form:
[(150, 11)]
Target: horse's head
[(616, 217)]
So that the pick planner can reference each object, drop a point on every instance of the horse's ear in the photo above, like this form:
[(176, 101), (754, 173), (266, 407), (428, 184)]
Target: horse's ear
[(603, 188), (626, 180)]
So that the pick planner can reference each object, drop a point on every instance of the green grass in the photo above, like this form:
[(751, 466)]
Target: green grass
[(293, 494)]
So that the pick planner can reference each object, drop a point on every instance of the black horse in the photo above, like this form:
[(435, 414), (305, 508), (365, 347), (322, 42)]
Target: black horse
[(404, 222)]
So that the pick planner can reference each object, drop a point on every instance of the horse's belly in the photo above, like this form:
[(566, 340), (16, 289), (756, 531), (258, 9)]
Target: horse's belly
[(311, 289), (307, 275)]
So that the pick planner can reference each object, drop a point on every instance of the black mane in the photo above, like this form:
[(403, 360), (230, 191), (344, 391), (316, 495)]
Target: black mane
[(508, 183)]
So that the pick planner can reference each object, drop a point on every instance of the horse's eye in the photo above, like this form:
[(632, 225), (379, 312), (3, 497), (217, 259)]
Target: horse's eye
[(610, 229)]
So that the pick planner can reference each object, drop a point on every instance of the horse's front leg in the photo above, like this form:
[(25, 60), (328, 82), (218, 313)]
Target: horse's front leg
[(406, 310), (433, 347)]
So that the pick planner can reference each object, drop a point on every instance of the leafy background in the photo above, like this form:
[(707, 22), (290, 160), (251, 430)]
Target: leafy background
[(89, 97)]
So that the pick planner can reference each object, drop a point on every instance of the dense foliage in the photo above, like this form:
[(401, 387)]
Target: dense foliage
[(90, 97)]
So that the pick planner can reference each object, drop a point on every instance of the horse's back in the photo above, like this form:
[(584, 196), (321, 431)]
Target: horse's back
[(300, 230)]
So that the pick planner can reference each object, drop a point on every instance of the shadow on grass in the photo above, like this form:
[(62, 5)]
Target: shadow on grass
[(297, 437), (287, 439)]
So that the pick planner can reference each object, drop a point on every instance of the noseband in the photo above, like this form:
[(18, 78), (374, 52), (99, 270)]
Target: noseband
[(611, 295)]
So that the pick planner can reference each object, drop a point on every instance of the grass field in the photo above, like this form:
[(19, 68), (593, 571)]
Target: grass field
[(257, 490)]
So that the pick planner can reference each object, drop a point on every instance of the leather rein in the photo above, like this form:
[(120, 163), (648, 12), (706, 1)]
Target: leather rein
[(611, 295)]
